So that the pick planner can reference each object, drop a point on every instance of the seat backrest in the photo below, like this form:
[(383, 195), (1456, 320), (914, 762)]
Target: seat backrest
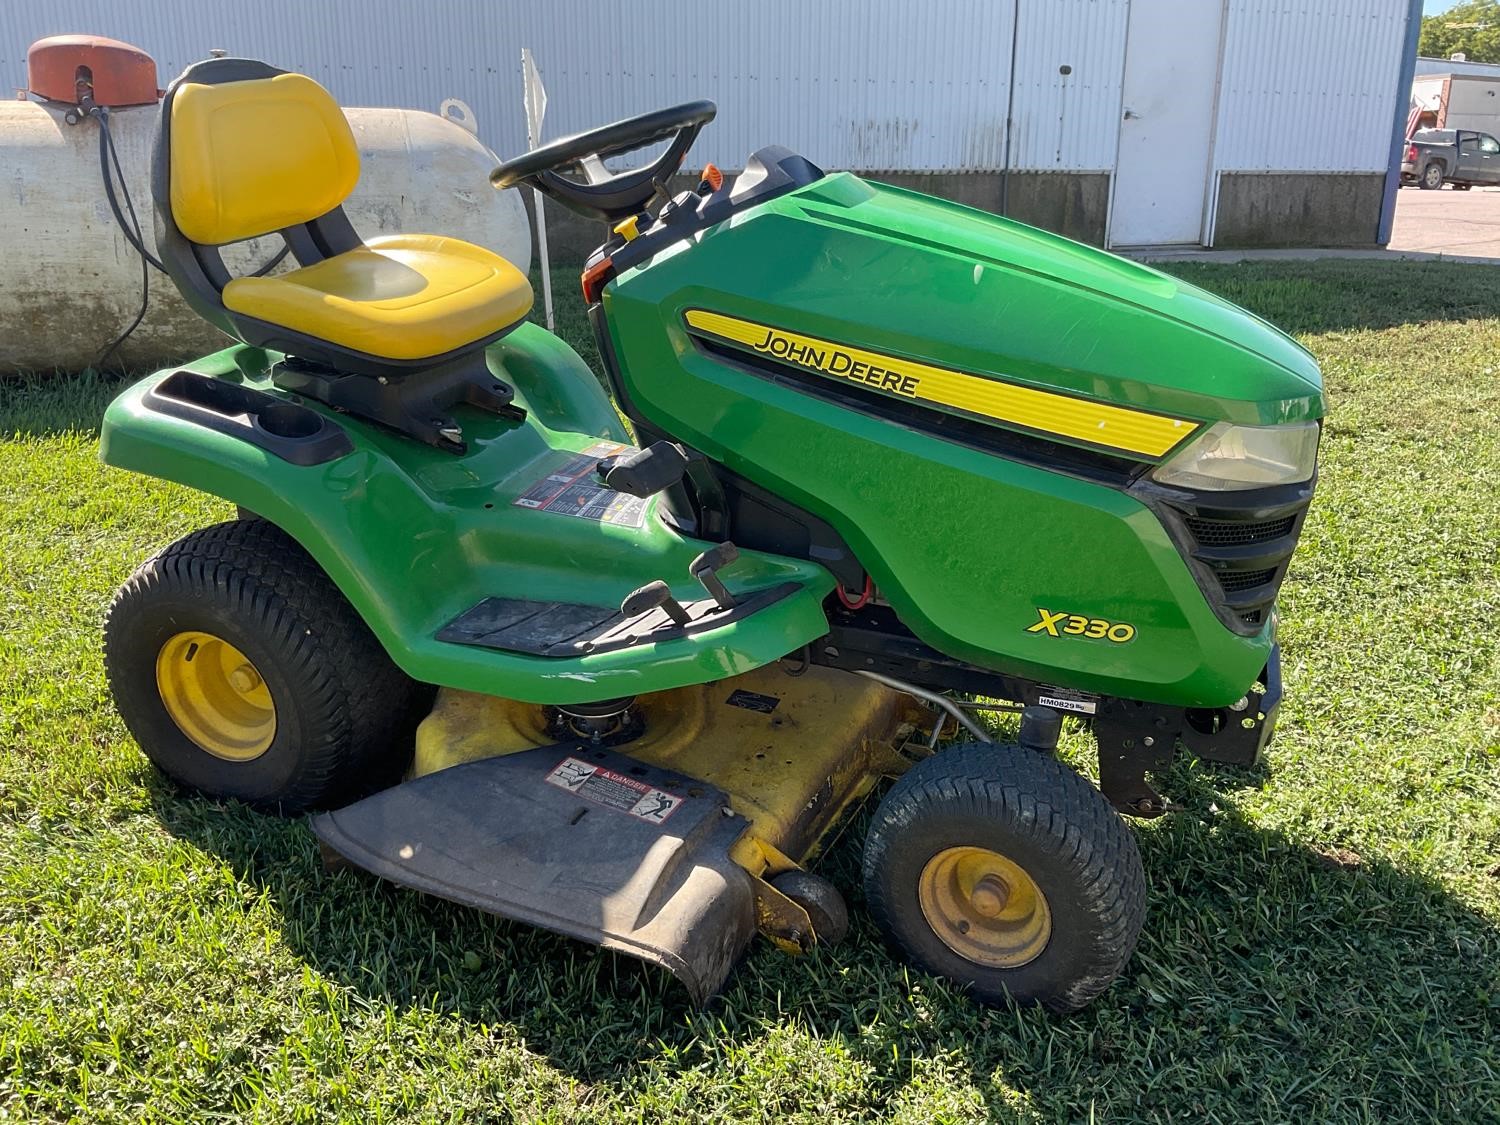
[(257, 155)]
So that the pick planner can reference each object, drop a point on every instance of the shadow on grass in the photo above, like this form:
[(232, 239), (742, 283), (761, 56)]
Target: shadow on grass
[(1272, 981)]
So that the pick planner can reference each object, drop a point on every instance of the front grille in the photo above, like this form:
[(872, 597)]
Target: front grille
[(1231, 533), (1234, 581), (1237, 544)]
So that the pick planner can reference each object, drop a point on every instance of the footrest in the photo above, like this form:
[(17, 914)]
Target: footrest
[(580, 840), (567, 629)]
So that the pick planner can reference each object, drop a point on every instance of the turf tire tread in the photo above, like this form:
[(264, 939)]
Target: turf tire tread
[(354, 700), (1053, 808)]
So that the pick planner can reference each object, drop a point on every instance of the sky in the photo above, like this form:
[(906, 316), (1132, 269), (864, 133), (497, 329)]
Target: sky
[(1432, 7)]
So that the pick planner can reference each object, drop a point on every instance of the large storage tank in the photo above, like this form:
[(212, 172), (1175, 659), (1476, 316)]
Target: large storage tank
[(73, 282)]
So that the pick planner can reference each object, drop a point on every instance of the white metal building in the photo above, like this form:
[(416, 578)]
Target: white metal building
[(1453, 99), (1130, 122), (1455, 65)]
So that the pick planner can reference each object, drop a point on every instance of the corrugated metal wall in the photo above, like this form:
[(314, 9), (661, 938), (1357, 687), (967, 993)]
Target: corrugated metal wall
[(1068, 121), (865, 84), (1309, 85), (852, 83)]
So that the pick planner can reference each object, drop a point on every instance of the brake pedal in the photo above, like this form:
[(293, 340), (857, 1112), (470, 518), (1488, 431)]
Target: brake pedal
[(654, 595)]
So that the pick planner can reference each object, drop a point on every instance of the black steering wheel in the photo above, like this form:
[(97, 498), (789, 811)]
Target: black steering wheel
[(605, 196)]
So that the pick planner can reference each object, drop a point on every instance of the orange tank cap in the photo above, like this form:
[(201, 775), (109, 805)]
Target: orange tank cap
[(118, 73)]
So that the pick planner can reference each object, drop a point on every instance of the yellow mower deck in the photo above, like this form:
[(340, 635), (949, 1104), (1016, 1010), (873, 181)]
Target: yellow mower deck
[(661, 847)]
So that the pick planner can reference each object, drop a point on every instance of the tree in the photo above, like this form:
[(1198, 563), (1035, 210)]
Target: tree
[(1472, 27)]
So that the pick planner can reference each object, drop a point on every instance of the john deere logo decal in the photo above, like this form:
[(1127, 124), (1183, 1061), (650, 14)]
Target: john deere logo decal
[(1116, 428), (835, 361)]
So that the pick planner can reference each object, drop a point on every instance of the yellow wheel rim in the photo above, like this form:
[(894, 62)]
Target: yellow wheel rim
[(216, 696), (985, 907)]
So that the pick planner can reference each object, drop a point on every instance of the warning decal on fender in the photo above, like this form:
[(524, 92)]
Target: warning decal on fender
[(606, 787), (573, 489)]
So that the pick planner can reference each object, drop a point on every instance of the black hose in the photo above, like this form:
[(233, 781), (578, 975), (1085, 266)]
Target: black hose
[(108, 154), (140, 314), (109, 170), (132, 231)]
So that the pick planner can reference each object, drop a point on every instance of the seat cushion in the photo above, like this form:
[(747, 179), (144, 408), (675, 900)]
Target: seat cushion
[(406, 296), (252, 157)]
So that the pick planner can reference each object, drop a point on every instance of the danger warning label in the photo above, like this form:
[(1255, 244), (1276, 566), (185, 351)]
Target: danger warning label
[(572, 489), (606, 787)]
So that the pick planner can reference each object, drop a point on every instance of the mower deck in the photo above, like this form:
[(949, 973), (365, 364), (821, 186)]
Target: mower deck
[(585, 842), (660, 847)]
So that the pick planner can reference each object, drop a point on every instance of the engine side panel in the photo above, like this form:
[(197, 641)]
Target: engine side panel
[(1047, 572)]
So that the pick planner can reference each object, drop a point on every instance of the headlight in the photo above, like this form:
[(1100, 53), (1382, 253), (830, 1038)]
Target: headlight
[(1226, 456)]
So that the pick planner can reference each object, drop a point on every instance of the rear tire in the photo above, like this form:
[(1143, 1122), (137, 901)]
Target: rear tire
[(243, 673), (1432, 177), (1005, 871)]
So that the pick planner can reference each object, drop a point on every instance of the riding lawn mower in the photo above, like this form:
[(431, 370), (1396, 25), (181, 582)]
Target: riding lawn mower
[(870, 464)]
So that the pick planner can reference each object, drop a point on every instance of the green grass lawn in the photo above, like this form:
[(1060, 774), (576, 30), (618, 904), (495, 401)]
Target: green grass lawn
[(1324, 936)]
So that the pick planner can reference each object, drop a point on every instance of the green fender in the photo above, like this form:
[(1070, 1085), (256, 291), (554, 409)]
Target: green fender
[(414, 536)]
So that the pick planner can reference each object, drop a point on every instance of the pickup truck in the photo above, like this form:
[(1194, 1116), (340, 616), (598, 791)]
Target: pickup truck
[(1460, 157)]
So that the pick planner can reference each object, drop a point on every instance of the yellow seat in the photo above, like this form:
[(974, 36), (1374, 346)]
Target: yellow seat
[(404, 297), (254, 151)]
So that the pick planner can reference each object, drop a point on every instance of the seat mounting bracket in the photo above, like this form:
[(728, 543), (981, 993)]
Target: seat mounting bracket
[(417, 404)]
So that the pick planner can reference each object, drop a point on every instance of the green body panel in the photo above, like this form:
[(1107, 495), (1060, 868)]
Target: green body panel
[(967, 546), (415, 536)]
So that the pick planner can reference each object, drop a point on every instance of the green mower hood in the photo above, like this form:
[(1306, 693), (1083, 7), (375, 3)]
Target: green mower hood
[(947, 285)]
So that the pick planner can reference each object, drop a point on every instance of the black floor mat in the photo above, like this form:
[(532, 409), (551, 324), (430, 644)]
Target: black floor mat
[(567, 629)]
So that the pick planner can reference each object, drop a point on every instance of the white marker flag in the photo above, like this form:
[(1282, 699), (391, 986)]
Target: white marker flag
[(534, 95)]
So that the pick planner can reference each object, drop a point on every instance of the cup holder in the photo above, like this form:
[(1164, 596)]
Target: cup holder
[(287, 420), (289, 431)]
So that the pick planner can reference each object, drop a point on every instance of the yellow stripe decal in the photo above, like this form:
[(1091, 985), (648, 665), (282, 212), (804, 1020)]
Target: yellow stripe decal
[(1098, 423)]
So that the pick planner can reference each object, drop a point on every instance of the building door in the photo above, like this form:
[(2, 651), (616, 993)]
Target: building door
[(1167, 122)]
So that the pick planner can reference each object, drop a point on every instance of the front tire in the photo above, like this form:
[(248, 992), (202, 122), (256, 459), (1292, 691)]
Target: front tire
[(1003, 870), (242, 672)]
